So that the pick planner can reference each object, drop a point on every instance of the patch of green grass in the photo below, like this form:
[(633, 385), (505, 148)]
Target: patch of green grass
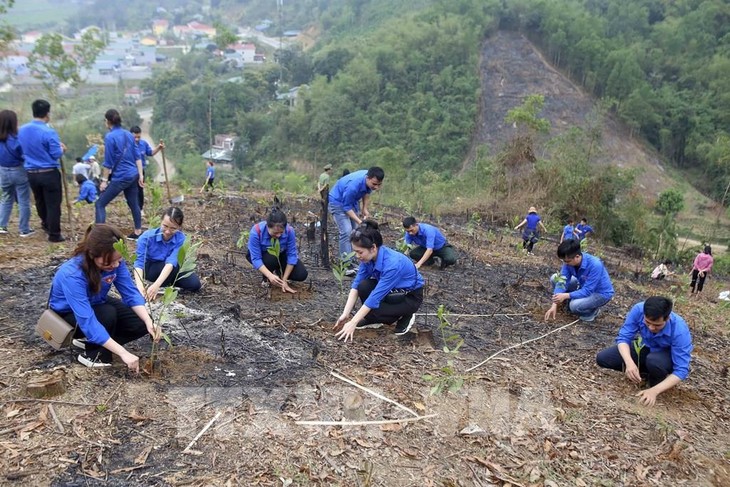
[(29, 13)]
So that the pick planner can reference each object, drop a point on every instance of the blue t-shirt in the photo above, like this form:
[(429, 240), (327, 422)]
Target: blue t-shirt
[(583, 230), (259, 241), (392, 270), (428, 237), (210, 173), (532, 220), (87, 192), (592, 278), (152, 247), (349, 190), (674, 337), (144, 150), (11, 154), (568, 232), (70, 293), (41, 145), (121, 154)]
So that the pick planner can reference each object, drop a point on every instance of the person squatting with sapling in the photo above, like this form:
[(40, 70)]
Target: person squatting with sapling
[(344, 204), (653, 343), (427, 242), (276, 270), (157, 257), (530, 234), (387, 283), (586, 285), (80, 295)]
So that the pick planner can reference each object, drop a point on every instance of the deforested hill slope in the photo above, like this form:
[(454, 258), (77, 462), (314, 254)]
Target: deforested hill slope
[(512, 68)]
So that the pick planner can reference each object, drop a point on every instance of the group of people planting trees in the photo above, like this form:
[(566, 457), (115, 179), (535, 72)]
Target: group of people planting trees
[(653, 343)]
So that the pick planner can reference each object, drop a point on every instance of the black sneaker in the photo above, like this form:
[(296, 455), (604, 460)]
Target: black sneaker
[(404, 324), (364, 326), (93, 361), (350, 272), (132, 236), (57, 239), (29, 233)]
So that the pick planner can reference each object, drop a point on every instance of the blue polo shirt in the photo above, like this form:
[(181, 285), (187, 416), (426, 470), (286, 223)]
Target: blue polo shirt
[(121, 154), (11, 154), (592, 277), (210, 173), (582, 230), (70, 293), (87, 192), (151, 246), (144, 150), (428, 237), (568, 232), (259, 241), (392, 270), (674, 337), (41, 145), (349, 190), (532, 220)]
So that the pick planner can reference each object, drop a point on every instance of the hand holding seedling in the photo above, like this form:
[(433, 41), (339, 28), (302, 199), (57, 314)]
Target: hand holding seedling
[(632, 373), (348, 328), (151, 293), (560, 297), (154, 331)]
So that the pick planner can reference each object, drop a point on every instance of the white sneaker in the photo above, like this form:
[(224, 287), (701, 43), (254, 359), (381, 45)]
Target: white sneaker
[(79, 343), (351, 272), (92, 362), (405, 324)]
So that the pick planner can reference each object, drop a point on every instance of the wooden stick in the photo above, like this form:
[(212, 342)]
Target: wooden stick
[(520, 344), (474, 316), (202, 432), (363, 423), (59, 426), (379, 396)]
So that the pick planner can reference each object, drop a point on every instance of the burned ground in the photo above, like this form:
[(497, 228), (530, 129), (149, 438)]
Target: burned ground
[(539, 414)]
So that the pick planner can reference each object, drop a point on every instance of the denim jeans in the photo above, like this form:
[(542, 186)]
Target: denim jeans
[(14, 182), (131, 193), (581, 306), (345, 225)]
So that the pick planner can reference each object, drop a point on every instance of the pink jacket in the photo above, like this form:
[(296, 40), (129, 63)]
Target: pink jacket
[(703, 262)]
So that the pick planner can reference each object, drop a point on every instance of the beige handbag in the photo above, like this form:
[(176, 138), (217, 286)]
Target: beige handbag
[(56, 331)]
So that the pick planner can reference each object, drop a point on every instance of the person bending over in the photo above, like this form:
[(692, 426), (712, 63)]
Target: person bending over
[(429, 243), (387, 283), (157, 257), (278, 270), (653, 342)]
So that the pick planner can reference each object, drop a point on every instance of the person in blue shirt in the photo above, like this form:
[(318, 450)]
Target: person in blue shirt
[(568, 231), (428, 242), (583, 282), (387, 283), (583, 229), (344, 203), (654, 342), (531, 234), (122, 171), (80, 295), (13, 178), (157, 257), (209, 176), (145, 151), (42, 149), (87, 190), (261, 240)]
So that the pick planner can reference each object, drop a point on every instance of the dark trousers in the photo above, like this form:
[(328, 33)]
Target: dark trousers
[(393, 307), (120, 321), (698, 282), (140, 192), (656, 366), (131, 190), (278, 266), (529, 239), (152, 270), (445, 253), (48, 193)]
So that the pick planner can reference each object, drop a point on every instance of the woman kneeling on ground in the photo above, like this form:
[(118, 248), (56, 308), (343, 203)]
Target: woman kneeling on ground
[(79, 294), (285, 267), (157, 257), (387, 282)]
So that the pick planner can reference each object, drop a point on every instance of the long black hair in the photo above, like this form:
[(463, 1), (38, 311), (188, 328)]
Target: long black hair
[(366, 235)]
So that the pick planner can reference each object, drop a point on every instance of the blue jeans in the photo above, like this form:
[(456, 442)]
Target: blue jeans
[(131, 193), (14, 182), (582, 306), (345, 225)]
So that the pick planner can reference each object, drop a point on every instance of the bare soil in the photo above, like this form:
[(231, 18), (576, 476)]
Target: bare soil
[(257, 361)]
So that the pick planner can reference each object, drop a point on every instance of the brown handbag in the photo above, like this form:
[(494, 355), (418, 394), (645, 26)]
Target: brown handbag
[(56, 331)]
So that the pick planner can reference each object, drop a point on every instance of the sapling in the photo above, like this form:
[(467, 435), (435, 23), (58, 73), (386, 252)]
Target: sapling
[(275, 251), (242, 239), (448, 379), (401, 245), (339, 268)]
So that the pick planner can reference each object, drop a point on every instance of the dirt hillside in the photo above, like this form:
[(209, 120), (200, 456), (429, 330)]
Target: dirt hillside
[(248, 363)]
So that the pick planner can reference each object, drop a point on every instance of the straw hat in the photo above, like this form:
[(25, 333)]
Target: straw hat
[(327, 167), (532, 210)]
